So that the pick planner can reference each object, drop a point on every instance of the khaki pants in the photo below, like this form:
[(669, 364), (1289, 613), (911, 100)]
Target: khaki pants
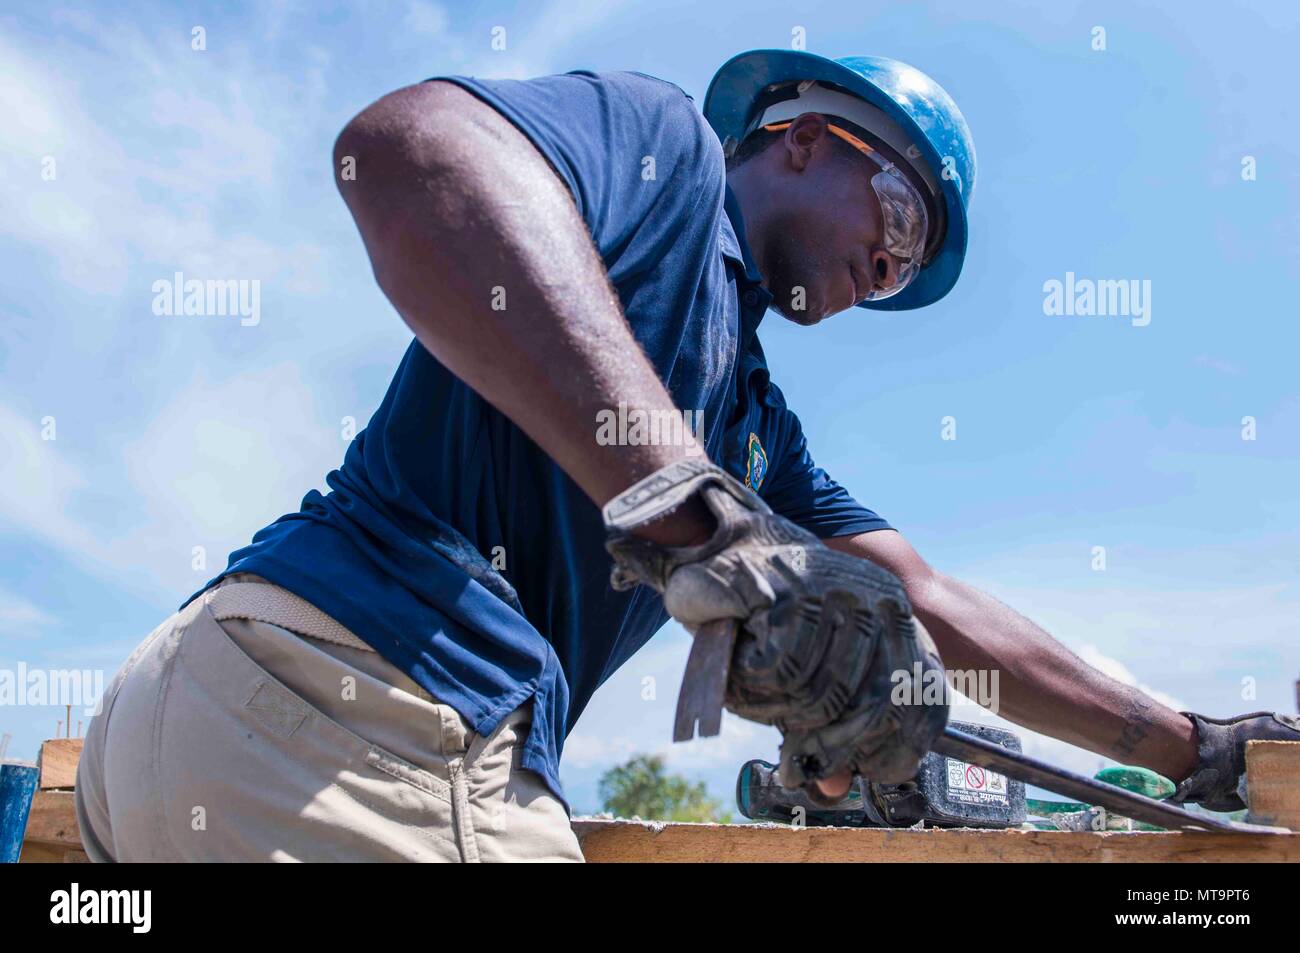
[(253, 727)]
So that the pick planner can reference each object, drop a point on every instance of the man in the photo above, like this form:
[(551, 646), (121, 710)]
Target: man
[(390, 672)]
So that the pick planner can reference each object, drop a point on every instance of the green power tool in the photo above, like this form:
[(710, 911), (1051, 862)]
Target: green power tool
[(946, 792), (1074, 816)]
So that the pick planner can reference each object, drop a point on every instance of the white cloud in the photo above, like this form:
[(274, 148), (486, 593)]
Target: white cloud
[(40, 484), (1189, 637), (585, 749), (425, 18), (222, 459), (621, 721), (19, 617), (1120, 672), (195, 139), (540, 45), (1044, 747), (738, 741)]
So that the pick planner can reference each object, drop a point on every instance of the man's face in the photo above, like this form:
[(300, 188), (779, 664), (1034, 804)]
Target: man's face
[(821, 248)]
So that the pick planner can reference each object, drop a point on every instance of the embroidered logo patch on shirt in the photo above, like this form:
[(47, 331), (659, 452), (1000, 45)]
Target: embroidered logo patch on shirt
[(755, 463)]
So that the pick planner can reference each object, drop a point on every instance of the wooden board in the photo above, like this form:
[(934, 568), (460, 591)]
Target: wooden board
[(635, 841), (53, 820), (1273, 775), (34, 853), (1273, 782), (52, 835), (58, 762)]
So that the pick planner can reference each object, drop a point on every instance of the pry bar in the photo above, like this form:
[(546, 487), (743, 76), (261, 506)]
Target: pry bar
[(956, 744)]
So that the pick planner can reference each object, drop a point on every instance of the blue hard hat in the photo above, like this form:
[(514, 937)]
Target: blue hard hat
[(920, 106)]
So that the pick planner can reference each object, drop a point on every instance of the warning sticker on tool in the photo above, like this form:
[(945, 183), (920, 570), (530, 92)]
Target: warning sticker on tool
[(971, 784)]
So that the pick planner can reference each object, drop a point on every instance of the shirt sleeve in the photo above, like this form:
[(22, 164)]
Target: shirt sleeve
[(800, 490), (626, 145)]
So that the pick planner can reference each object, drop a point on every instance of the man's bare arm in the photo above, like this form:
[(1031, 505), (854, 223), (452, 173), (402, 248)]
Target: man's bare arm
[(1042, 684), (478, 245)]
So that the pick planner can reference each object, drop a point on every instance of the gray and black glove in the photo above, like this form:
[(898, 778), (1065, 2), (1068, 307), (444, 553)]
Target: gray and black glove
[(827, 651), (1218, 781)]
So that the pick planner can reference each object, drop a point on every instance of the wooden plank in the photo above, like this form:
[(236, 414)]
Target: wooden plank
[(1273, 774), (53, 820), (58, 762), (1273, 782), (606, 841), (52, 833), (34, 853)]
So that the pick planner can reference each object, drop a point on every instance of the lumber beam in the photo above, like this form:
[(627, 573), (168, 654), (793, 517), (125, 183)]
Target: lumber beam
[(52, 835), (53, 820), (58, 762), (1273, 782), (1273, 777), (34, 853), (610, 841)]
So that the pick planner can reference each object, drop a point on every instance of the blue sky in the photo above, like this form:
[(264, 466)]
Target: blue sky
[(1072, 432)]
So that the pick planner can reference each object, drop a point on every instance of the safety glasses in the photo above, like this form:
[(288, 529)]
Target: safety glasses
[(903, 215)]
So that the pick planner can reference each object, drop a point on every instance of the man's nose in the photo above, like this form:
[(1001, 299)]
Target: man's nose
[(884, 270)]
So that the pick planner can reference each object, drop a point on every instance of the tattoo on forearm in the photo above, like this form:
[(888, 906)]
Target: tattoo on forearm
[(1136, 727)]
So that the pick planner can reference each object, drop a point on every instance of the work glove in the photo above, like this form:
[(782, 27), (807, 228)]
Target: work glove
[(1218, 782), (827, 651)]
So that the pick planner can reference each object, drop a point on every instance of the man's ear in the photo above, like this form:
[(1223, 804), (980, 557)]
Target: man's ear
[(806, 135)]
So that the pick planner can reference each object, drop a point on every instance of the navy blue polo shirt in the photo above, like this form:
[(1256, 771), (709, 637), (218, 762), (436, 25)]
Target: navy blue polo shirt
[(460, 551)]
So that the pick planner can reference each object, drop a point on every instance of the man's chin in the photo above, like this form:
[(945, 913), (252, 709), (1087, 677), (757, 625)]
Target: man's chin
[(807, 317), (802, 303)]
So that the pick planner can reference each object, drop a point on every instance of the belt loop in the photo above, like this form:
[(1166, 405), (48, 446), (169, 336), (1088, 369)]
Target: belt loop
[(466, 839), (452, 738)]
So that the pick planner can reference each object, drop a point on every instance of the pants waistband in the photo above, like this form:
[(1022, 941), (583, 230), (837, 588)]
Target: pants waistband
[(245, 596)]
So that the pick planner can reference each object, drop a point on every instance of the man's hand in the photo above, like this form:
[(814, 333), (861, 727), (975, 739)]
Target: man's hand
[(825, 638), (1217, 781)]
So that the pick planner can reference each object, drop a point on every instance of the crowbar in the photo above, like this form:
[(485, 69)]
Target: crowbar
[(963, 747), (704, 686)]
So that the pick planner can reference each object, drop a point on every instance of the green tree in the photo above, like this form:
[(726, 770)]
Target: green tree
[(641, 788)]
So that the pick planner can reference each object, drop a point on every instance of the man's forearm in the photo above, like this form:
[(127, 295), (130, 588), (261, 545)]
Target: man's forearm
[(478, 245), (1046, 687)]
